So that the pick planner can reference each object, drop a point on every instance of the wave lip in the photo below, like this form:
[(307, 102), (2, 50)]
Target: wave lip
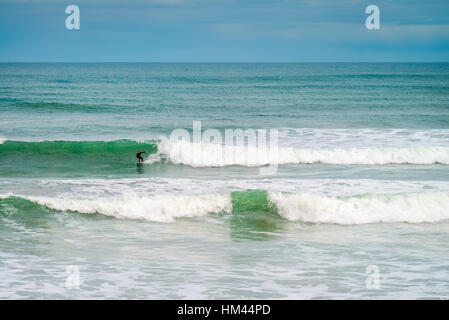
[(217, 155), (361, 209)]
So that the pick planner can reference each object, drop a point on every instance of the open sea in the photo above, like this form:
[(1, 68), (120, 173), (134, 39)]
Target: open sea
[(357, 209)]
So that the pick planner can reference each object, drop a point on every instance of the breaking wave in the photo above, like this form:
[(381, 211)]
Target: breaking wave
[(301, 207), (159, 208), (367, 208), (217, 155)]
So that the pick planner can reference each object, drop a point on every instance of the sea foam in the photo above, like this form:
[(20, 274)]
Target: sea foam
[(217, 155), (368, 208), (160, 208)]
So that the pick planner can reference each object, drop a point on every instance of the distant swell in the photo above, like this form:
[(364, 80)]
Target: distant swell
[(216, 155), (301, 207), (57, 106)]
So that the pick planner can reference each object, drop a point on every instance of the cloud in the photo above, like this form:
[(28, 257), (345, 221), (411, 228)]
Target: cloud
[(245, 30)]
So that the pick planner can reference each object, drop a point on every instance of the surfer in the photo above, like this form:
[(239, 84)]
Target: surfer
[(139, 156)]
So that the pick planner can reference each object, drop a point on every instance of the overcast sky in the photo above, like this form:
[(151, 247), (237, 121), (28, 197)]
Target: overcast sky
[(224, 31)]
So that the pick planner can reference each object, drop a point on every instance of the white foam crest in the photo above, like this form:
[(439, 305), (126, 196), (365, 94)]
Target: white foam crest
[(160, 208), (211, 154), (2, 140), (217, 155), (364, 137), (368, 208), (367, 156)]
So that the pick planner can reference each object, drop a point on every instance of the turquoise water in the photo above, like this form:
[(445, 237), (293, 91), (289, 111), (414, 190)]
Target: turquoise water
[(362, 181)]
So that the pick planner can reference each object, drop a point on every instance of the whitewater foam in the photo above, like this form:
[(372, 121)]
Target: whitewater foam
[(141, 187), (316, 138), (368, 208), (217, 155), (160, 208)]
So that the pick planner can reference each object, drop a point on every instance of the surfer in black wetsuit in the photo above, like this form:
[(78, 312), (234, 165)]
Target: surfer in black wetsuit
[(139, 156)]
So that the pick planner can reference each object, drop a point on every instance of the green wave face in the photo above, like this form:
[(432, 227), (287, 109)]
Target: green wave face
[(254, 216), (27, 215), (19, 158), (251, 202)]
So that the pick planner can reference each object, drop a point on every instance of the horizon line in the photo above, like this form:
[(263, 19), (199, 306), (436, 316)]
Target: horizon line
[(227, 62)]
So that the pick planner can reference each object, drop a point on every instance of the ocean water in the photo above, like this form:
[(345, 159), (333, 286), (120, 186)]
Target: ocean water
[(358, 206)]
